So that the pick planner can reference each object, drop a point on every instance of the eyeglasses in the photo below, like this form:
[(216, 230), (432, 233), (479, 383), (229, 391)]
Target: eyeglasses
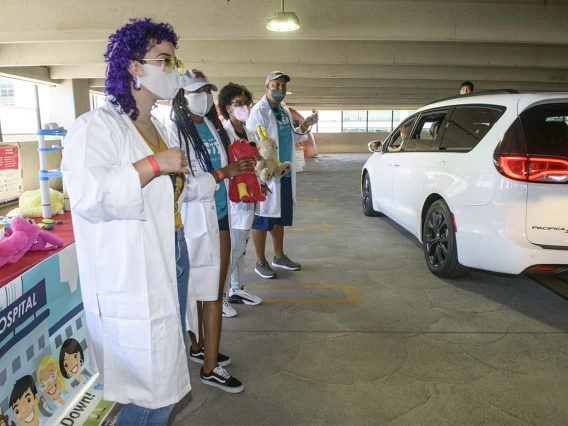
[(51, 378), (241, 103), (169, 63)]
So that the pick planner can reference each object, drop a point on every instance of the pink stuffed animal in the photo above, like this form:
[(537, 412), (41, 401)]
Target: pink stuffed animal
[(23, 236)]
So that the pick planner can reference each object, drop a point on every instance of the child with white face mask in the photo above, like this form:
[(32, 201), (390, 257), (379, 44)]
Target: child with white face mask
[(205, 212), (235, 102)]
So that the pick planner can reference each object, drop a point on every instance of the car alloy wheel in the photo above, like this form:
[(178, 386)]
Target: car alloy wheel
[(367, 197), (439, 241), (437, 238)]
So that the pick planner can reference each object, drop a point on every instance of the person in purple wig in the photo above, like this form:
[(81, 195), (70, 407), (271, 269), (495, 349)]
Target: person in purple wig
[(125, 182)]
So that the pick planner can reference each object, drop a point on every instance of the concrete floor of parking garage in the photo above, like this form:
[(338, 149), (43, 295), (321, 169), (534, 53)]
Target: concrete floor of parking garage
[(365, 335)]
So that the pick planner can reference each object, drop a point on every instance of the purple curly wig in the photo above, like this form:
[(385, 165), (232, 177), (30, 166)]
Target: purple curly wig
[(130, 43)]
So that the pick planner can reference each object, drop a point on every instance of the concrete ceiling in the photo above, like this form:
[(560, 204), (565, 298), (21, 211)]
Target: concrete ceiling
[(347, 53)]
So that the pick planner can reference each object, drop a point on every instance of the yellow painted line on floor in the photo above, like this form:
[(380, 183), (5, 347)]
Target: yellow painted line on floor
[(554, 283), (310, 227), (309, 200), (353, 297)]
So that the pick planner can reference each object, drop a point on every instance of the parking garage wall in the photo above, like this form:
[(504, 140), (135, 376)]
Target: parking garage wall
[(355, 143)]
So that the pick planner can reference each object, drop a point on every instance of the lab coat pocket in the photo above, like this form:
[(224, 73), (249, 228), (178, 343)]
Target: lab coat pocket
[(197, 232), (128, 355)]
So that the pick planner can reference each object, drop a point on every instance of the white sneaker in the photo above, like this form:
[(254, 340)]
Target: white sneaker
[(243, 296), (228, 310)]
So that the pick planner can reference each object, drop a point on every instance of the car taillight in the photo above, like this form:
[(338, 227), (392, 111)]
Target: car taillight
[(553, 170), (544, 268), (532, 169)]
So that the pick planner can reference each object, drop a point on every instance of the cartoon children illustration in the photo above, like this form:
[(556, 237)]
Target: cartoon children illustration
[(24, 402), (50, 380), (5, 420), (71, 360)]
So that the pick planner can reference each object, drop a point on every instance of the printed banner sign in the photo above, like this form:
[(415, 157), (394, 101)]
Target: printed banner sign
[(46, 377), (11, 181)]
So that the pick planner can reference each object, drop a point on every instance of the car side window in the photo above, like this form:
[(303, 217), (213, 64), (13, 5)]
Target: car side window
[(400, 136), (426, 135), (468, 125)]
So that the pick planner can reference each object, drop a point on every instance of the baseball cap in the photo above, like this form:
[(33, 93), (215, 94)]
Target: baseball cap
[(276, 74), (193, 80)]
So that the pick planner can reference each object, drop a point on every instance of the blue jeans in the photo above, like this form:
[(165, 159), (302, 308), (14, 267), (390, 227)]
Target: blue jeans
[(182, 270), (134, 415)]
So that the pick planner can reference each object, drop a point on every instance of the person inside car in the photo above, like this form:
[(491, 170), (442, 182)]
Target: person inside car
[(466, 87), (403, 135), (434, 130)]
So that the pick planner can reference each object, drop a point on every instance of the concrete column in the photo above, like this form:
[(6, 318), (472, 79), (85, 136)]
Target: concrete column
[(68, 101)]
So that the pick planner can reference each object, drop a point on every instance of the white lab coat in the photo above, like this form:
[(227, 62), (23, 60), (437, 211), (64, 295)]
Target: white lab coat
[(242, 214), (262, 114), (125, 249), (199, 216)]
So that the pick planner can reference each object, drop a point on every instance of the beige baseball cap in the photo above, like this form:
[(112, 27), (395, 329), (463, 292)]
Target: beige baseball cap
[(276, 74)]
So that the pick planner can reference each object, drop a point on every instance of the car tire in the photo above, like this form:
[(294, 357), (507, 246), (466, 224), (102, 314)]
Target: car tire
[(367, 199), (439, 242)]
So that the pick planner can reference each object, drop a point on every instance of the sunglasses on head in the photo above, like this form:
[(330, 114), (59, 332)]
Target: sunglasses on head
[(169, 63), (277, 114)]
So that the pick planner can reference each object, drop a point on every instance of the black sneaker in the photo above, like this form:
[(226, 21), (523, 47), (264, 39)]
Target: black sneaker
[(199, 357), (220, 378)]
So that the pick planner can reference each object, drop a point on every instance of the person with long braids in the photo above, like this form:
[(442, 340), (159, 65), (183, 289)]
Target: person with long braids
[(196, 128), (125, 181)]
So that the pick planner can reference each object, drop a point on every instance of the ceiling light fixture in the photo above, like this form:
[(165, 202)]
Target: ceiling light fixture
[(283, 21)]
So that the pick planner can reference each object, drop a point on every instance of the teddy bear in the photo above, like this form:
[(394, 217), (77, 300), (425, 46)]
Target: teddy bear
[(268, 166), (23, 236), (244, 188)]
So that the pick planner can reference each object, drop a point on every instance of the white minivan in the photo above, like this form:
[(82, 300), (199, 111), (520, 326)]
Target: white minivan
[(481, 180)]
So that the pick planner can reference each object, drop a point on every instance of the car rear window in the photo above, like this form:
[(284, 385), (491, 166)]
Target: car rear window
[(546, 129), (468, 125)]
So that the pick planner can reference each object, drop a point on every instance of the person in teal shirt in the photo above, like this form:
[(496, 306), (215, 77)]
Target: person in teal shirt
[(213, 149), (285, 142), (197, 129), (277, 212)]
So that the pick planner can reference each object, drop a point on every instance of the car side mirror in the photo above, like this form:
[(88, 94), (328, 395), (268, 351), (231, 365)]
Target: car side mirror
[(375, 146)]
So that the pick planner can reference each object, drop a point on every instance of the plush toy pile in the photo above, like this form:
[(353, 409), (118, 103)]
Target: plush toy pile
[(22, 236), (30, 203)]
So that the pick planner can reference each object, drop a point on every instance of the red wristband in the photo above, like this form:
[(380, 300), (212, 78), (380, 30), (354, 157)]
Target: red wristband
[(220, 173), (154, 165)]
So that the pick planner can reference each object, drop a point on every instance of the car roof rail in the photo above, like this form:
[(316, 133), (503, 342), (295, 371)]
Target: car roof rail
[(482, 93)]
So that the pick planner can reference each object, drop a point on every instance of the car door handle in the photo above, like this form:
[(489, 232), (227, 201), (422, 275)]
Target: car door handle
[(394, 165)]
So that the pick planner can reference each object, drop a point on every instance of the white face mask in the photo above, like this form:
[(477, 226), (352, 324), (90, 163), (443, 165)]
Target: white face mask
[(163, 84), (199, 103)]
